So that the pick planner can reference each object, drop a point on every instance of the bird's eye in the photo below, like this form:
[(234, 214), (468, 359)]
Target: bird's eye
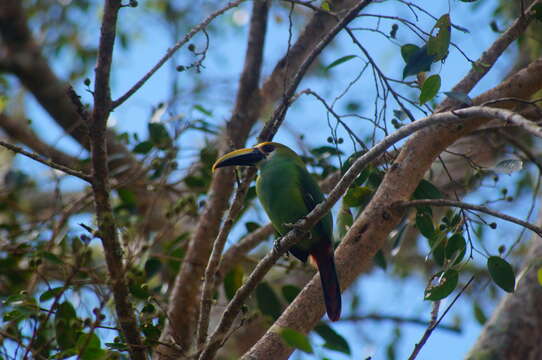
[(268, 148)]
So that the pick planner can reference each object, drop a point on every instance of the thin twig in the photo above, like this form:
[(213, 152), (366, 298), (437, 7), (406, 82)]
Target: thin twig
[(214, 260), (434, 322), (303, 225), (431, 326), (462, 205), (279, 114), (488, 58), (52, 164), (172, 51), (399, 320)]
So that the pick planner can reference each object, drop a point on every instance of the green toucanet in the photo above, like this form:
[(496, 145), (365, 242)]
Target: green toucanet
[(288, 192)]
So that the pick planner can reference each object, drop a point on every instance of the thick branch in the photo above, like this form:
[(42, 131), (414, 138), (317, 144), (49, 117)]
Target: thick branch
[(304, 225), (100, 183), (370, 230), (53, 94), (183, 307)]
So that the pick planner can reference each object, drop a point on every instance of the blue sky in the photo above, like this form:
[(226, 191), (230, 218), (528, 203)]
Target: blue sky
[(381, 293)]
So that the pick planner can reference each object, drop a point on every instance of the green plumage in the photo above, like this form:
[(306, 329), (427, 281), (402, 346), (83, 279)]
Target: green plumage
[(288, 193)]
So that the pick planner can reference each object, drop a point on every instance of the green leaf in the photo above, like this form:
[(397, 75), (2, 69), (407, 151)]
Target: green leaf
[(289, 292), (158, 135), (65, 319), (357, 196), (51, 293), (456, 248), (459, 96), (424, 223), (380, 260), (52, 258), (502, 273), (127, 197), (419, 61), (325, 6), (333, 340), (268, 302), (438, 45), (195, 182), (408, 50), (233, 281), (426, 190), (447, 283), (430, 88), (152, 267), (438, 248), (143, 147), (339, 61), (479, 314), (89, 347), (539, 275), (296, 340), (203, 110), (537, 12)]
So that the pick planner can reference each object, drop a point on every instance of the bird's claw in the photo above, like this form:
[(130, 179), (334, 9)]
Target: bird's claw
[(276, 245), (298, 228)]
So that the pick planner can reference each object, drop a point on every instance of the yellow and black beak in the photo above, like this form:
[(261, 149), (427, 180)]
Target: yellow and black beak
[(241, 157)]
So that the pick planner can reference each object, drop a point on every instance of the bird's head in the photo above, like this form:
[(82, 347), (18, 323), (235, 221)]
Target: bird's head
[(254, 156)]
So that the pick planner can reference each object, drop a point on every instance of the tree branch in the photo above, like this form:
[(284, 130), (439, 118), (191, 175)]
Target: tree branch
[(445, 202), (32, 69), (305, 224), (368, 232), (100, 183), (399, 320), (236, 251), (272, 126), (172, 51), (15, 129), (510, 331), (50, 163), (490, 56), (183, 307)]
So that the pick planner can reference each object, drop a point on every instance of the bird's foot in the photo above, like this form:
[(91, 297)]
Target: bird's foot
[(298, 228), (276, 245)]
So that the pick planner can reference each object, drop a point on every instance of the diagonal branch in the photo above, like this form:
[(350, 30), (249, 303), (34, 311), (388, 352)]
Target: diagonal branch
[(183, 307), (368, 233), (201, 26), (305, 224), (50, 163), (272, 126), (489, 57), (445, 202)]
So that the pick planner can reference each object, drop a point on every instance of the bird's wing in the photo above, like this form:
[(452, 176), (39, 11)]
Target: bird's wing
[(312, 196)]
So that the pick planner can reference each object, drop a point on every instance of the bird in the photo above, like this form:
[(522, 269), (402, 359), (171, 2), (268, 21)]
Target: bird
[(288, 192)]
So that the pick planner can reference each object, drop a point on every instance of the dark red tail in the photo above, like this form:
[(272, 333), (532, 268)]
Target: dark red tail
[(330, 283)]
